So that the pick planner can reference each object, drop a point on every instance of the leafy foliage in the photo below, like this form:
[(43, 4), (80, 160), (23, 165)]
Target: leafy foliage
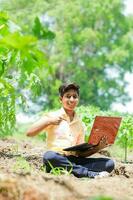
[(126, 130), (21, 58), (102, 198), (41, 31), (125, 138), (22, 166), (91, 48), (7, 108), (60, 170)]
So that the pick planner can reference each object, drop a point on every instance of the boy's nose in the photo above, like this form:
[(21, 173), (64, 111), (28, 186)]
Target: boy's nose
[(71, 99)]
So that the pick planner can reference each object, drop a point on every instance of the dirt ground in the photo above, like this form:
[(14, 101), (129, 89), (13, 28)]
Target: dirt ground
[(22, 177)]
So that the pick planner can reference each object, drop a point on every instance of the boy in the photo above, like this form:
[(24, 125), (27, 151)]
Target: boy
[(64, 128)]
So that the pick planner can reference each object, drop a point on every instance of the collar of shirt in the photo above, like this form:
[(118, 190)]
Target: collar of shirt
[(66, 117)]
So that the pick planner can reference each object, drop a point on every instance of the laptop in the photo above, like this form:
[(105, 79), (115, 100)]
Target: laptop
[(102, 126)]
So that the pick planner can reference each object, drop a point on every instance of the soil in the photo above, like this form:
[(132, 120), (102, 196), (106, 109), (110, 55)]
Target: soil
[(22, 177)]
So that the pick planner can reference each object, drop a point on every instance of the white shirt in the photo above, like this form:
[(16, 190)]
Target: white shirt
[(66, 134)]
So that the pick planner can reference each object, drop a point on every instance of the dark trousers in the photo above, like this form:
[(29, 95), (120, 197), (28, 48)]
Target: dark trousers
[(81, 167)]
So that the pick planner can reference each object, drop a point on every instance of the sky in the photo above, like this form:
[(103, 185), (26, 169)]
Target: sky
[(129, 6), (129, 77)]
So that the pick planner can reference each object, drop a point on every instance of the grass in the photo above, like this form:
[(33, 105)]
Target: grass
[(101, 198), (60, 170), (22, 166)]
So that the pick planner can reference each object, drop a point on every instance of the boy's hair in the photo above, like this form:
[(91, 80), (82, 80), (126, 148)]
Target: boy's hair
[(65, 87)]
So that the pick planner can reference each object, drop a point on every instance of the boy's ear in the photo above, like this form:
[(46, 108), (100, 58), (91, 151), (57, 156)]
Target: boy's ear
[(60, 99)]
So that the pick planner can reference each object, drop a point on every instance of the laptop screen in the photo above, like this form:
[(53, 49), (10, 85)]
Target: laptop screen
[(104, 126)]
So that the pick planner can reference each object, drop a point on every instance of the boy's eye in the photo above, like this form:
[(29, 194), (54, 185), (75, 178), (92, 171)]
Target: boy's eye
[(68, 96), (74, 96)]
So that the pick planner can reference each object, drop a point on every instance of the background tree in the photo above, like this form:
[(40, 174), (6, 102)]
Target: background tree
[(93, 46)]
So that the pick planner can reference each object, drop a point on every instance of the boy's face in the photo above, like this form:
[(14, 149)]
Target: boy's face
[(70, 99)]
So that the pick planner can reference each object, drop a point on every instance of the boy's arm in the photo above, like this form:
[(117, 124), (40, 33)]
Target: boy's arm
[(38, 127), (41, 124)]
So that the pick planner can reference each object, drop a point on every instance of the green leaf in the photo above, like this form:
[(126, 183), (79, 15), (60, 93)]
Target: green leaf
[(18, 41), (41, 31)]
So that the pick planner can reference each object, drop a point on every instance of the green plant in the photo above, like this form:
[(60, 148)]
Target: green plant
[(42, 168), (101, 198), (41, 136), (60, 170), (7, 108), (125, 136), (22, 166), (21, 61), (15, 148), (88, 114)]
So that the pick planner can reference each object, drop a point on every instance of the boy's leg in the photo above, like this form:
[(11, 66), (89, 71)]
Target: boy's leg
[(96, 164), (68, 163)]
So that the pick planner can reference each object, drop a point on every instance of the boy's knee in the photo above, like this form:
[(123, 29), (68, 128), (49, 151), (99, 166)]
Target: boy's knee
[(110, 165), (49, 155), (48, 158)]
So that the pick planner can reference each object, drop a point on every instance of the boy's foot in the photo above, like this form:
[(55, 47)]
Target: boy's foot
[(97, 175), (92, 174), (102, 175)]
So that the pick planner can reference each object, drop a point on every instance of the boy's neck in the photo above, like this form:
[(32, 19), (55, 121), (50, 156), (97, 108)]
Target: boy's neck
[(70, 113)]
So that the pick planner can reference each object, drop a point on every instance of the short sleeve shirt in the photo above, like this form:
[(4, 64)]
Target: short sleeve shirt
[(66, 134)]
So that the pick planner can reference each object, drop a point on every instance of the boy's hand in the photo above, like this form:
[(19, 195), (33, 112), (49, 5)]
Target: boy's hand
[(55, 120), (103, 142)]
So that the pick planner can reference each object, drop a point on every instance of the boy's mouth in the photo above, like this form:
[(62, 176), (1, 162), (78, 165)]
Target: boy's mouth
[(71, 105)]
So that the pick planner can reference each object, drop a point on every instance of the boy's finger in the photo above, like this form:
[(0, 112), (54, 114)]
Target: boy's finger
[(62, 118)]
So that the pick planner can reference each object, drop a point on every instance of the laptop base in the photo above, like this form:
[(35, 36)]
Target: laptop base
[(80, 147)]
